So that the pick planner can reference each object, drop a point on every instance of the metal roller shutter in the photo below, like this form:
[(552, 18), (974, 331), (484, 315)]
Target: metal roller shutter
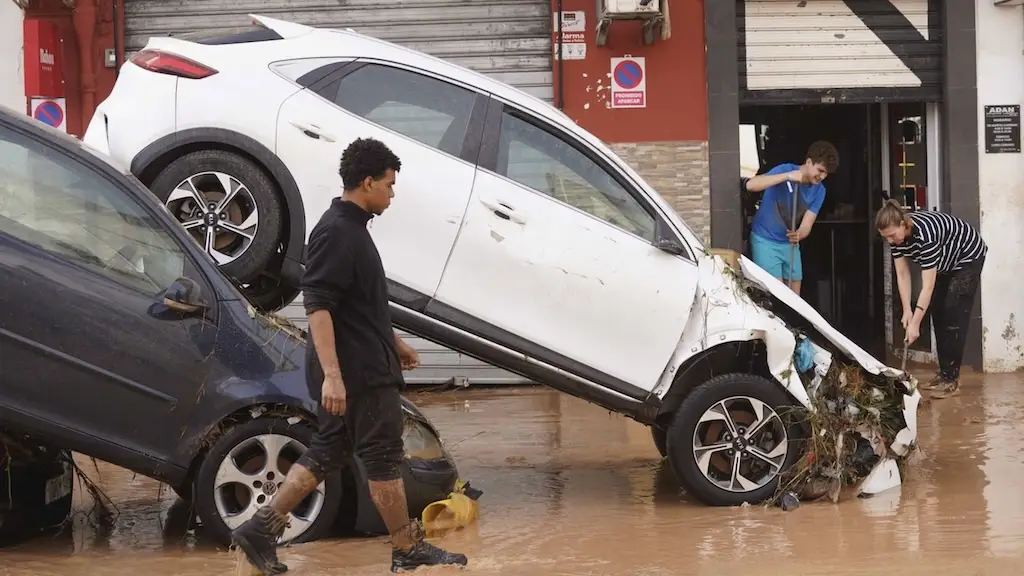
[(509, 40), (834, 51)]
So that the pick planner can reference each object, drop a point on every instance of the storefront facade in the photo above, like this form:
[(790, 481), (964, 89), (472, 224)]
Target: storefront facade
[(892, 81), (885, 81)]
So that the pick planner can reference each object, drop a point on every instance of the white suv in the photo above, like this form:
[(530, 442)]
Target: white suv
[(515, 237)]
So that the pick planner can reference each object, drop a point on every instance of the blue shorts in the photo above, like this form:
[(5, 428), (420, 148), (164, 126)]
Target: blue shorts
[(774, 258)]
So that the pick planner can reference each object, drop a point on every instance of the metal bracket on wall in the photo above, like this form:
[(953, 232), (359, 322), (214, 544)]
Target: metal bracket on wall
[(608, 10)]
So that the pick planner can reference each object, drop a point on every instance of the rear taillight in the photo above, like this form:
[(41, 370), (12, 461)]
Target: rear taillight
[(167, 63)]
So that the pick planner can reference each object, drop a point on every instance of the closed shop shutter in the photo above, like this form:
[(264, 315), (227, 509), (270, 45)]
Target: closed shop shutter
[(509, 40), (835, 51)]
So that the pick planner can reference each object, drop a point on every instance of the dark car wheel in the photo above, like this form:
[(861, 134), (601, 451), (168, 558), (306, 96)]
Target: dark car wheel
[(728, 443), (35, 496), (268, 294), (246, 467), (228, 204), (658, 434)]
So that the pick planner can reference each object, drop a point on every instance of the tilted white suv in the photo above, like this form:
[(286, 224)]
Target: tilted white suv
[(515, 237)]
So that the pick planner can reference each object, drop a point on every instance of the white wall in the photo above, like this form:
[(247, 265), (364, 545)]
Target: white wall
[(12, 81), (1001, 82)]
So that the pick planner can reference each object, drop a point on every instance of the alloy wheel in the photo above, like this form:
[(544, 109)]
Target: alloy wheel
[(252, 474), (219, 211), (740, 444)]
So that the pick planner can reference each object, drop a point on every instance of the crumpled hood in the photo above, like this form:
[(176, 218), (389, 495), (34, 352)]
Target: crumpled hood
[(769, 283)]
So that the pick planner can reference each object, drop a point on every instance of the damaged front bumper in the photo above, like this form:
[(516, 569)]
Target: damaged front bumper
[(862, 413), (855, 406)]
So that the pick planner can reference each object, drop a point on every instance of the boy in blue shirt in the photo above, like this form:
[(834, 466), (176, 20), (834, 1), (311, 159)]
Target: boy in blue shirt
[(773, 230)]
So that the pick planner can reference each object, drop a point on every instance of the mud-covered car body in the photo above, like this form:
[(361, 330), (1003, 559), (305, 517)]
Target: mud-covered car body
[(184, 382)]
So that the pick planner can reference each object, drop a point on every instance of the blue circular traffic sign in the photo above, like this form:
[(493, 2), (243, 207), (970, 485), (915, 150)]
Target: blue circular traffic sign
[(628, 74), (49, 113)]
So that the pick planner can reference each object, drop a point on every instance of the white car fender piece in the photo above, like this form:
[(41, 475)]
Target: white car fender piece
[(884, 476), (723, 313)]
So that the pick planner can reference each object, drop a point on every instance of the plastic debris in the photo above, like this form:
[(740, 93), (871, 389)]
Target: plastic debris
[(457, 511), (804, 356), (789, 501)]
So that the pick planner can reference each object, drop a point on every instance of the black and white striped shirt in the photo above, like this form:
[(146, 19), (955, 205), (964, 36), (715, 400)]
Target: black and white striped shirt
[(939, 240)]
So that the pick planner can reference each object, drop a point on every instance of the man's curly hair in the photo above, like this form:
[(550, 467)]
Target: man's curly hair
[(366, 157), (824, 153)]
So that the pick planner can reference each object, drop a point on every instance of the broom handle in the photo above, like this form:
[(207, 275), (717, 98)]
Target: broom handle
[(792, 246)]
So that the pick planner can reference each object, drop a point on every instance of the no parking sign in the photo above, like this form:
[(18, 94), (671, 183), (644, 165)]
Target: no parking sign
[(629, 83), (50, 111)]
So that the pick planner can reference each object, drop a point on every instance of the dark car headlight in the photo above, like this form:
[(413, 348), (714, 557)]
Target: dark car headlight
[(420, 442)]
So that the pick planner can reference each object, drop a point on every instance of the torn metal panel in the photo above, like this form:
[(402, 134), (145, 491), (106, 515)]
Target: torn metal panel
[(722, 313)]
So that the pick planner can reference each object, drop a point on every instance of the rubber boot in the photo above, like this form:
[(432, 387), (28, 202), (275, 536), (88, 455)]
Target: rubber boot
[(422, 553), (257, 538)]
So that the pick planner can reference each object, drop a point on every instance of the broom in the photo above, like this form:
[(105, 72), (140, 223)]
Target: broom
[(792, 246)]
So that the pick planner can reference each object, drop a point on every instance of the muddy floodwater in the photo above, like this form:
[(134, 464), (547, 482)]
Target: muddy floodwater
[(571, 489)]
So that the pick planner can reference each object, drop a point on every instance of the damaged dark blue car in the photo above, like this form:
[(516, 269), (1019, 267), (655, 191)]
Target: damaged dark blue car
[(121, 339)]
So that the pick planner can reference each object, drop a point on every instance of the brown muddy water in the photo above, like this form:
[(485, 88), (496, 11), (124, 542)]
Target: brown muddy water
[(571, 489)]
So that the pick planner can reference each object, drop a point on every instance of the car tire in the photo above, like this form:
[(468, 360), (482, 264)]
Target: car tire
[(659, 435), (269, 295), (26, 483), (707, 474), (246, 445), (184, 491), (249, 260)]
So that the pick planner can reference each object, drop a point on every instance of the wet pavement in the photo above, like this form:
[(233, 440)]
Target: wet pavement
[(572, 489)]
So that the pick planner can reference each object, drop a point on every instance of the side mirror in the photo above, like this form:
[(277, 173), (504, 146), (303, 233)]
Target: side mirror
[(666, 241), (183, 295)]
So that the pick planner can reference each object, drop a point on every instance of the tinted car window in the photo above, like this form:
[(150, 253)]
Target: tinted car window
[(62, 206), (423, 108), (548, 164)]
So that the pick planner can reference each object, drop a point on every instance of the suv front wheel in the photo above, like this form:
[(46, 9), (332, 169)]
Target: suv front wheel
[(730, 440)]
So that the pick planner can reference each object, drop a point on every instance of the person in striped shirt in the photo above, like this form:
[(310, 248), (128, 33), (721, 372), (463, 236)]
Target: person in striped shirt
[(951, 254)]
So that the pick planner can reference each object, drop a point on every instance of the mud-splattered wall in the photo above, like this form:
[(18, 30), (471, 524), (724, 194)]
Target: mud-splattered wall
[(666, 141), (1000, 44)]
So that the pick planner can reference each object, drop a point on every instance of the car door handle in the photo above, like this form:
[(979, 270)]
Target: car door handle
[(312, 131), (503, 211)]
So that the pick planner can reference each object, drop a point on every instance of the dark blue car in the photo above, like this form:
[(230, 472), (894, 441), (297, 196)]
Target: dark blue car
[(121, 339)]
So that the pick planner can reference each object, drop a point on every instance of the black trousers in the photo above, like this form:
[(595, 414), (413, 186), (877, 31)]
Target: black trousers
[(951, 305)]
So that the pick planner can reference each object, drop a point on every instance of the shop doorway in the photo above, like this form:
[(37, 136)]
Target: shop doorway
[(843, 257)]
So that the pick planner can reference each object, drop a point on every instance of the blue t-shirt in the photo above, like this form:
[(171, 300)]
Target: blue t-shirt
[(772, 220)]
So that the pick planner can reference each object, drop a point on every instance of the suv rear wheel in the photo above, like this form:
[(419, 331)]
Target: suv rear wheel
[(729, 443), (229, 205)]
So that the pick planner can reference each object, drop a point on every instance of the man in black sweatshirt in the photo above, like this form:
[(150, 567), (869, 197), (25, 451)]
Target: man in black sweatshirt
[(354, 367)]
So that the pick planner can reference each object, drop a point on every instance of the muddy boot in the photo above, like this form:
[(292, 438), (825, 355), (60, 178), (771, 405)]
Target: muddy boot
[(946, 389), (936, 380), (422, 553), (257, 538)]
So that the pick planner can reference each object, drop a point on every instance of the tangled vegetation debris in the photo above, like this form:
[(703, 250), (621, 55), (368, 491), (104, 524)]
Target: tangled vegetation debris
[(853, 419)]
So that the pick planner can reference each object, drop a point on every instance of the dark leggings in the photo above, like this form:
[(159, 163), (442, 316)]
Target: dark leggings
[(952, 301)]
